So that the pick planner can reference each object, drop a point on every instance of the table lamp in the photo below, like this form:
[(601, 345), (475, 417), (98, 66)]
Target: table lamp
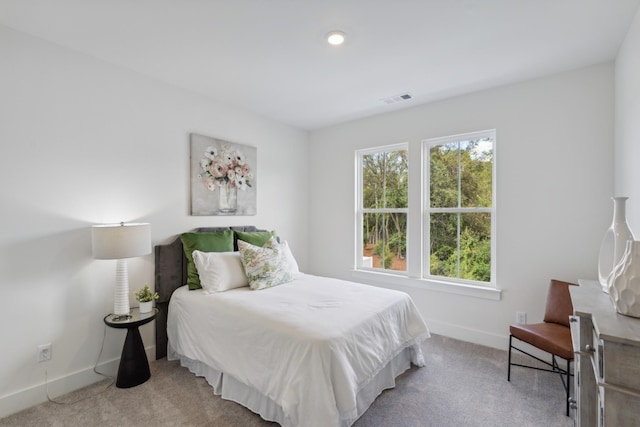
[(121, 241)]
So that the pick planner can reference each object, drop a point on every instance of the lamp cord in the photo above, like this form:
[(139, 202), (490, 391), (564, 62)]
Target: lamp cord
[(95, 369)]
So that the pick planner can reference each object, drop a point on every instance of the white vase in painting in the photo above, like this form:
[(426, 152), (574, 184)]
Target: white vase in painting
[(613, 244), (228, 198), (624, 282)]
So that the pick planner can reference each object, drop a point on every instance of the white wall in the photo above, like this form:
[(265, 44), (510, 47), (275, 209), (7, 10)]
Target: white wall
[(555, 177), (627, 124), (84, 142)]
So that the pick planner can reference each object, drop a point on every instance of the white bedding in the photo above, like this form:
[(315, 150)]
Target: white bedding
[(310, 346)]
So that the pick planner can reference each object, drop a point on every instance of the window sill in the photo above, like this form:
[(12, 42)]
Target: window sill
[(431, 285)]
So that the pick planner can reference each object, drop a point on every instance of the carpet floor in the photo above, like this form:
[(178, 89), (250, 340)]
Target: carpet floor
[(463, 384)]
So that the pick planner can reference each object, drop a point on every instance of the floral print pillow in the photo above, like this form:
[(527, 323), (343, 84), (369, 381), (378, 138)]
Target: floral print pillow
[(265, 266)]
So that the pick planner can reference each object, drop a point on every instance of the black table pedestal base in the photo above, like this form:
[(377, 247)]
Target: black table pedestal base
[(134, 366)]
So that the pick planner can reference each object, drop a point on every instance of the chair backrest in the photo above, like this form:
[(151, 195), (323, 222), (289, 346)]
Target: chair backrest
[(559, 306)]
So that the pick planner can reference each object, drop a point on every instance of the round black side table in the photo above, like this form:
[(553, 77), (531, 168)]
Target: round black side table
[(134, 366)]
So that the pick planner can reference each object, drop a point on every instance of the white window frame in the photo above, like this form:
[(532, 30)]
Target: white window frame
[(360, 210), (427, 209), (414, 278)]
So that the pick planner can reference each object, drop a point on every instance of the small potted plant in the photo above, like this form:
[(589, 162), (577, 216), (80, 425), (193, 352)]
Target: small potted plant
[(146, 298)]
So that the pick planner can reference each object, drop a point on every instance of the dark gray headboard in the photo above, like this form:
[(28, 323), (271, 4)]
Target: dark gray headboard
[(171, 273)]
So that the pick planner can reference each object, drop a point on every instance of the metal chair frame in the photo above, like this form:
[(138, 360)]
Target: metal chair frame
[(565, 374)]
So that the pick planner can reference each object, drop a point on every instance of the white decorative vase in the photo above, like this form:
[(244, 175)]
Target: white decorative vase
[(624, 283), (146, 306), (614, 242)]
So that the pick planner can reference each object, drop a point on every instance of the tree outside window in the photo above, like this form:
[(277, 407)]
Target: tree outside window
[(459, 212), (383, 203)]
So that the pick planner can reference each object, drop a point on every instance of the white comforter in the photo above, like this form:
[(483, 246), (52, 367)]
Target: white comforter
[(309, 345)]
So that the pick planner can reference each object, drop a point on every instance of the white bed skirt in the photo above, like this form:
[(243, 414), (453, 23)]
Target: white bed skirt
[(227, 387)]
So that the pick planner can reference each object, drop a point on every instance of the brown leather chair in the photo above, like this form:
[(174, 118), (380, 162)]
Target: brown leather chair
[(552, 336)]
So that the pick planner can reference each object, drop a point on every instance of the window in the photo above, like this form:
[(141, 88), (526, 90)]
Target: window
[(382, 208), (457, 242), (459, 207)]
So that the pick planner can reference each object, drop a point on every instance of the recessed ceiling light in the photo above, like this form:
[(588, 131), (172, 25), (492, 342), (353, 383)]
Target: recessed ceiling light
[(335, 38)]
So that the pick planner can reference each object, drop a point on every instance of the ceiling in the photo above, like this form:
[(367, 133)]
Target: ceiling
[(270, 56)]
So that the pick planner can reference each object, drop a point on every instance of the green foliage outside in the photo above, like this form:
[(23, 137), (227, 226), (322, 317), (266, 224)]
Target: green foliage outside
[(460, 178), (384, 252), (385, 186)]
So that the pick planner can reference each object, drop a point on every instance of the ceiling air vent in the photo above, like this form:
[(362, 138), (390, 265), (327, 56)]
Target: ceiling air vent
[(397, 98)]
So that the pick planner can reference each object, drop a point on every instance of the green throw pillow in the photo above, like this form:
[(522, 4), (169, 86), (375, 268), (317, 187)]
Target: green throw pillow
[(204, 242), (256, 238)]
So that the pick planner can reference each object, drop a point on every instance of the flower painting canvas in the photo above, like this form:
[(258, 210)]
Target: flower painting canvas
[(223, 177)]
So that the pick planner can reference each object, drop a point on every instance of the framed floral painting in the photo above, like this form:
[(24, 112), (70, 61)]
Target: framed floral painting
[(223, 177)]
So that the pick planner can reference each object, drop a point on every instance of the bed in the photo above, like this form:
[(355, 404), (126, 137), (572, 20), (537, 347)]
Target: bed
[(313, 352)]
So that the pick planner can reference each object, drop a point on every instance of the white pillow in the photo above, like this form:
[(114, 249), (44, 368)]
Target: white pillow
[(219, 271), (293, 264)]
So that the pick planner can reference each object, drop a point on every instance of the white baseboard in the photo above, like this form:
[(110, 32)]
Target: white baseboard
[(24, 399), (500, 342), (458, 332)]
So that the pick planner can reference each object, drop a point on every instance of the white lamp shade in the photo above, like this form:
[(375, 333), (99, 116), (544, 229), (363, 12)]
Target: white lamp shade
[(119, 241)]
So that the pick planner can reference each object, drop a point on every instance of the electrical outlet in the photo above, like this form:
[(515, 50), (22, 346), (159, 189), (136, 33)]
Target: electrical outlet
[(521, 317), (44, 352)]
